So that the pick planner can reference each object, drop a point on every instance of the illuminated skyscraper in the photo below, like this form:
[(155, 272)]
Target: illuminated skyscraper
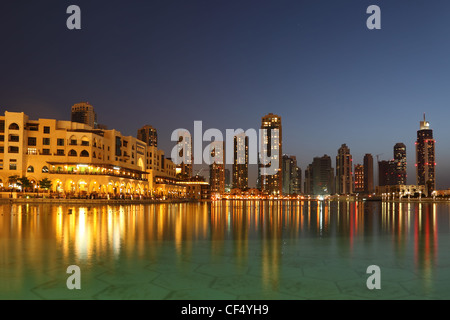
[(83, 112), (291, 175), (425, 157), (149, 135), (359, 178), (272, 147), (344, 174), (400, 164), (240, 164), (217, 171)]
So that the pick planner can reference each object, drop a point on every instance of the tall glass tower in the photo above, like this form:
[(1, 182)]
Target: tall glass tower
[(425, 157), (272, 147)]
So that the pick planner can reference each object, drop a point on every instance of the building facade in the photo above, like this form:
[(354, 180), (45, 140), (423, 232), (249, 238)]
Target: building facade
[(80, 160), (240, 161), (83, 112), (291, 175), (308, 184), (425, 157), (272, 147), (322, 176), (344, 172), (400, 174), (217, 170), (359, 178), (368, 173), (149, 135)]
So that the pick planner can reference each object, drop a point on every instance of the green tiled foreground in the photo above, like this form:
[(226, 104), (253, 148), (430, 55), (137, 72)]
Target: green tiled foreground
[(256, 266)]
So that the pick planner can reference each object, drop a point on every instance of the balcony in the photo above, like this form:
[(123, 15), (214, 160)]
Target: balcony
[(106, 172)]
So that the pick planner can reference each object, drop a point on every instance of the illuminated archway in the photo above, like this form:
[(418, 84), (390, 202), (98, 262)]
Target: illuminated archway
[(70, 186), (94, 186), (57, 186), (82, 186)]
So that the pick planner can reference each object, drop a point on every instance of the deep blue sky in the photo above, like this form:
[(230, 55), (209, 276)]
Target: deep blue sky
[(228, 63)]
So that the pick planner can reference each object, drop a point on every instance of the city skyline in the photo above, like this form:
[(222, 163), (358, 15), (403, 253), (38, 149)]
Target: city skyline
[(317, 66), (350, 177)]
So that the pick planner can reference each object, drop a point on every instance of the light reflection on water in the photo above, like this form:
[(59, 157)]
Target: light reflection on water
[(37, 239)]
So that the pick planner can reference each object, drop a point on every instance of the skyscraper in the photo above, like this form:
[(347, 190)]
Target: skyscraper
[(291, 175), (359, 178), (344, 174), (240, 164), (308, 185), (425, 157), (322, 176), (272, 147), (149, 135), (184, 168), (386, 173), (368, 173), (83, 112), (400, 164), (228, 184), (297, 188), (217, 170)]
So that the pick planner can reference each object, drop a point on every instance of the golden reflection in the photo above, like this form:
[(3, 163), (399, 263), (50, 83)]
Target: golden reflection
[(261, 233)]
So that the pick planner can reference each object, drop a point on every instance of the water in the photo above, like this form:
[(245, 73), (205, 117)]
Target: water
[(226, 250)]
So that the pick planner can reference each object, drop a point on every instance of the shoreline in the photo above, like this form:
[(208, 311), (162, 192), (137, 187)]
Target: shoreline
[(94, 201), (167, 201)]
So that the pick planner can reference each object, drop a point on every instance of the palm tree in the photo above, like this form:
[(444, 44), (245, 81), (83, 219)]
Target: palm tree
[(12, 180), (45, 184), (24, 182)]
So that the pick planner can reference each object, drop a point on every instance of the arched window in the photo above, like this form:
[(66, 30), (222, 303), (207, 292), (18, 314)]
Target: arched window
[(44, 169), (72, 153), (13, 126), (30, 169), (93, 155), (73, 141), (85, 141), (84, 153)]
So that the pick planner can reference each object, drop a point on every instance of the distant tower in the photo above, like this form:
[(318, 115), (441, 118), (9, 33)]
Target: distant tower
[(308, 184), (384, 173), (292, 175), (272, 184), (400, 164), (149, 135), (240, 164), (83, 112), (359, 178), (227, 180), (344, 174), (217, 171), (425, 157), (368, 173), (322, 176)]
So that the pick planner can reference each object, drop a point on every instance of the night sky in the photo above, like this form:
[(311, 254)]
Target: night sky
[(228, 63)]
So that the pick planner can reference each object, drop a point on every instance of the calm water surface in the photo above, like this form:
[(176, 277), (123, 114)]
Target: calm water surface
[(226, 250)]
